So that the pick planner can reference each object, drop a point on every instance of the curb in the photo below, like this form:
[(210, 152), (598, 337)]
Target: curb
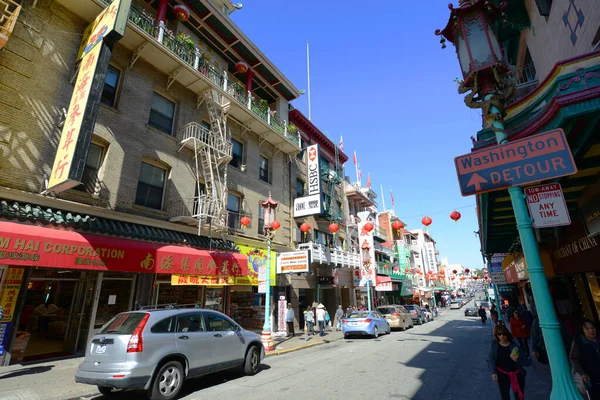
[(303, 346)]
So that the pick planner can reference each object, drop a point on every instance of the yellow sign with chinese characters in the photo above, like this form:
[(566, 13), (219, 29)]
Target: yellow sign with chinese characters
[(112, 21), (201, 280), (60, 178), (10, 293), (257, 258)]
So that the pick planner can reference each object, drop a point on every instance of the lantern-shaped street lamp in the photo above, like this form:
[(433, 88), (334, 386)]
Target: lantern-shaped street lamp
[(270, 226)]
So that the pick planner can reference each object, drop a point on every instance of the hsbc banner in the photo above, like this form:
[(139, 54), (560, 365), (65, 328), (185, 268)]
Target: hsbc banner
[(314, 171)]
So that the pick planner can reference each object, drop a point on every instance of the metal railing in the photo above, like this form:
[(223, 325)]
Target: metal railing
[(526, 75), (191, 56), (380, 233), (195, 131), (199, 207), (326, 255), (9, 13)]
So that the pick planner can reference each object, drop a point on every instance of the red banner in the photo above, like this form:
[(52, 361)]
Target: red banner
[(29, 245)]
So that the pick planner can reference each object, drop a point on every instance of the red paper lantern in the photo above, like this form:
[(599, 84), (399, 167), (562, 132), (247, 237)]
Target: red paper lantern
[(406, 270), (181, 12), (333, 228), (242, 67), (305, 228), (275, 225), (397, 225), (426, 221), (455, 216), (245, 221), (368, 227), (454, 271)]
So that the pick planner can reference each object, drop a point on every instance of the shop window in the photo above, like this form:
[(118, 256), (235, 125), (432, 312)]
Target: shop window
[(90, 182), (162, 114), (237, 154), (263, 173), (111, 84), (151, 185), (233, 211), (219, 323), (166, 325), (191, 323)]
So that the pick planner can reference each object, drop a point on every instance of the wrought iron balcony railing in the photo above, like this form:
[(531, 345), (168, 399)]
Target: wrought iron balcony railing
[(325, 255)]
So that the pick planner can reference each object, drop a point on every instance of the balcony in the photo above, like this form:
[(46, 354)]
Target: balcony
[(185, 65), (390, 269), (9, 13), (188, 211), (324, 255), (329, 174), (380, 234), (527, 81), (195, 137)]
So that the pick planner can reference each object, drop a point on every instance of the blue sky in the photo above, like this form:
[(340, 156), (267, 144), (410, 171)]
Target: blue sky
[(380, 78)]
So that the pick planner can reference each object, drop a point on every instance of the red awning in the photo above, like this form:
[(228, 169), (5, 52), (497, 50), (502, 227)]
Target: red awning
[(30, 245), (383, 279)]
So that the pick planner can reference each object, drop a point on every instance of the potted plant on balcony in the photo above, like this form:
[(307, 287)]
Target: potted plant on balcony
[(186, 42), (291, 128)]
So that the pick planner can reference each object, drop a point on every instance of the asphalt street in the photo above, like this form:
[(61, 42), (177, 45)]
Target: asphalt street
[(446, 358)]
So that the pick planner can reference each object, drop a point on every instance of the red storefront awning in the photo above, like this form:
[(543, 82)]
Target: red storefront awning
[(383, 279), (36, 246), (384, 284)]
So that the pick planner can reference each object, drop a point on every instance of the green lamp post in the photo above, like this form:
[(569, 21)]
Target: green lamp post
[(270, 227), (491, 83)]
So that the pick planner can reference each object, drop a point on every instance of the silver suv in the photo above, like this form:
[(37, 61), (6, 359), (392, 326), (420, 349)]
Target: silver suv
[(156, 350)]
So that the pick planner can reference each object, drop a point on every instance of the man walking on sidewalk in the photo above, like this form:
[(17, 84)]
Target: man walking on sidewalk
[(321, 319), (289, 319), (339, 314)]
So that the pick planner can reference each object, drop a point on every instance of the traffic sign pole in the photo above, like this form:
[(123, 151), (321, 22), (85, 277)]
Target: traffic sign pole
[(563, 386)]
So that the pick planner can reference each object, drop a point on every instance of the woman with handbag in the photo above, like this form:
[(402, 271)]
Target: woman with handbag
[(585, 359), (506, 361)]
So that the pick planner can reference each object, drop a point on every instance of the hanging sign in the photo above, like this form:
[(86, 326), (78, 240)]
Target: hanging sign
[(292, 262), (314, 170), (547, 205), (308, 205)]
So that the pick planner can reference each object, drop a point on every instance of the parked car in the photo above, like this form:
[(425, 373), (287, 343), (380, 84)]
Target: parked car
[(157, 350), (455, 305), (428, 314), (397, 316), (416, 313), (471, 312), (370, 323)]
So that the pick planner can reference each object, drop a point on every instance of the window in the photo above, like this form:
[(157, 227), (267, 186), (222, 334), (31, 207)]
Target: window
[(109, 92), (544, 7), (197, 195), (151, 186), (233, 211), (166, 325), (219, 323), (299, 187), (261, 219), (90, 181), (263, 174), (162, 113), (237, 154), (322, 238), (191, 323)]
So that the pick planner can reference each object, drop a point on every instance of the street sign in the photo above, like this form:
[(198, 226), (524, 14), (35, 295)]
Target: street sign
[(308, 205), (547, 205), (543, 156)]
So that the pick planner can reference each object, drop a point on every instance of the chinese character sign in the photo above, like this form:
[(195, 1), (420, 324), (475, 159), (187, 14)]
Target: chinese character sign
[(61, 177), (368, 265), (431, 260), (10, 292)]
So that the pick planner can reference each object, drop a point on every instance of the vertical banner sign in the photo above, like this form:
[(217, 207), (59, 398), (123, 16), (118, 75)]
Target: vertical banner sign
[(281, 311), (430, 250), (314, 170), (94, 53), (8, 301), (368, 269), (402, 257)]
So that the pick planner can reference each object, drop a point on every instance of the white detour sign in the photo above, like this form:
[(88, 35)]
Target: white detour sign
[(547, 205), (293, 262)]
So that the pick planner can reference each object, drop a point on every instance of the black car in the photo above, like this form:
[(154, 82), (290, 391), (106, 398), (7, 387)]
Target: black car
[(471, 312)]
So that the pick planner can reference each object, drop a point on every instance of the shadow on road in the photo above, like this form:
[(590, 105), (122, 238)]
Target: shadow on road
[(191, 386), (26, 371)]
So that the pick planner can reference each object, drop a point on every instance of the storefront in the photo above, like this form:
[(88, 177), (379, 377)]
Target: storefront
[(62, 286)]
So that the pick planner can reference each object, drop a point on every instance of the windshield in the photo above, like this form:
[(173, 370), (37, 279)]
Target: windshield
[(410, 307), (386, 310), (123, 324), (360, 314)]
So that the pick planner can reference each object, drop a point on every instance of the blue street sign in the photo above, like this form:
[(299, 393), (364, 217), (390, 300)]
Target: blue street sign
[(536, 158)]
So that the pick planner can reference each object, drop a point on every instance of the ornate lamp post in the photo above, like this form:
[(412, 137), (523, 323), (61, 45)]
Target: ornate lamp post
[(270, 226), (491, 83)]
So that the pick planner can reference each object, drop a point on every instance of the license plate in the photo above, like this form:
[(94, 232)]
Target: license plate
[(100, 349), (353, 323)]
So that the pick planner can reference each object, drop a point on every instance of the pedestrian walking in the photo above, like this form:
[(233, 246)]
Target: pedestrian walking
[(482, 314), (339, 314), (309, 317), (289, 319), (494, 314), (321, 319), (506, 363), (520, 330), (327, 320), (585, 359), (538, 345)]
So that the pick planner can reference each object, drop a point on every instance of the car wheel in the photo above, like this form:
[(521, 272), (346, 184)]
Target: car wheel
[(376, 332), (252, 361), (106, 391), (168, 382)]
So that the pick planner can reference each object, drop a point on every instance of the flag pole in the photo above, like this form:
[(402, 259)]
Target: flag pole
[(382, 198), (356, 168), (308, 73)]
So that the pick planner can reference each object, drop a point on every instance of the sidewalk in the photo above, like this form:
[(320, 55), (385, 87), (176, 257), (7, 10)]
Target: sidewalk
[(54, 380)]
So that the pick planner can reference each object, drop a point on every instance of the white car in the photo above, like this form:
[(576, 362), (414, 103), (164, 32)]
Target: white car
[(454, 305)]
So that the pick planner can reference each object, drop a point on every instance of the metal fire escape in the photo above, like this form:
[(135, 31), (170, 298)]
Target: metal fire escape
[(331, 178), (212, 153)]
